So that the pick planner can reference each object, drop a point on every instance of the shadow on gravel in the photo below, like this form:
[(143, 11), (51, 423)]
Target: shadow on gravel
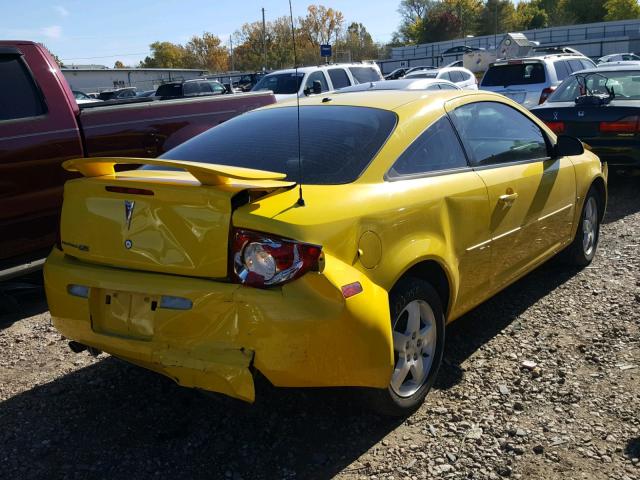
[(632, 449), (112, 420), (21, 297), (471, 331), (624, 197)]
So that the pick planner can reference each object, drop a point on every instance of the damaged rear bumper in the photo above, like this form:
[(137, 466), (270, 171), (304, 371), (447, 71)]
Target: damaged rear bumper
[(303, 334)]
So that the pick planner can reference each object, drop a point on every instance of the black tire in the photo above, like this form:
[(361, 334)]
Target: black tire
[(577, 254), (387, 401)]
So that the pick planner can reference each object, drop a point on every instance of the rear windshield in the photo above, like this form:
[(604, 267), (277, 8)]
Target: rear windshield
[(514, 74), (625, 85), (337, 142), (280, 83)]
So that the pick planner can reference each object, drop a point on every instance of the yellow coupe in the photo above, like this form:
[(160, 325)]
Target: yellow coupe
[(325, 251)]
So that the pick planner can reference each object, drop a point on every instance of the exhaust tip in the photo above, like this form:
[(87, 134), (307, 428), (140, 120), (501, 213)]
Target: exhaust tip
[(77, 347)]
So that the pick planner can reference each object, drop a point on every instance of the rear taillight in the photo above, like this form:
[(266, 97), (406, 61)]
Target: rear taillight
[(545, 94), (626, 125), (263, 260), (556, 127)]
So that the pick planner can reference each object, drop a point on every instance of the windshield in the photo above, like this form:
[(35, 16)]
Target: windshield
[(337, 142), (514, 74), (625, 85), (280, 83)]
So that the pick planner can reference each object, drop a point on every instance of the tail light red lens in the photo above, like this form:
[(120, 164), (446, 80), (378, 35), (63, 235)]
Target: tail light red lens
[(263, 260), (545, 94), (626, 125), (556, 127)]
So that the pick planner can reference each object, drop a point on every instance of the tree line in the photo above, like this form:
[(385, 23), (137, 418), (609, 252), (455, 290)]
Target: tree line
[(425, 21), (252, 48), (422, 21)]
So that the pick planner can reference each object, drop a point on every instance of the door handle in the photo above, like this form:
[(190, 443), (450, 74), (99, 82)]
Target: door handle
[(508, 198)]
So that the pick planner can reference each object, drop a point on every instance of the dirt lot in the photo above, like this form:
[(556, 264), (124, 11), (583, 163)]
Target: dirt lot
[(575, 415)]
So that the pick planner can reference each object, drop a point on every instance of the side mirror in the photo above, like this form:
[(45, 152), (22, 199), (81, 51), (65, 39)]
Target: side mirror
[(568, 146), (317, 87)]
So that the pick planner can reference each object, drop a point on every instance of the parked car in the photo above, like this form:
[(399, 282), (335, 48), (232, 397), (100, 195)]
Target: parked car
[(118, 94), (395, 74), (419, 68), (601, 106), (231, 255), (402, 84), (41, 125), (459, 50), (190, 88), (315, 80), (82, 97), (147, 93), (462, 77), (618, 57), (529, 81), (238, 82)]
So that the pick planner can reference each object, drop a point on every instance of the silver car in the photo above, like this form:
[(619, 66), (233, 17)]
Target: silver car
[(529, 81)]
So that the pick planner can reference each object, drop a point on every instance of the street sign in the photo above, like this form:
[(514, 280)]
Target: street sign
[(325, 50)]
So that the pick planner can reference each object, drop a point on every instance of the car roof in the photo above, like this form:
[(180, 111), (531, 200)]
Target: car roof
[(617, 67), (384, 99), (314, 68), (540, 58), (400, 84)]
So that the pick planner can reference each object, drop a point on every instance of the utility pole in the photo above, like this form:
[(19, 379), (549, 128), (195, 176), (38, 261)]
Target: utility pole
[(264, 43), (495, 32)]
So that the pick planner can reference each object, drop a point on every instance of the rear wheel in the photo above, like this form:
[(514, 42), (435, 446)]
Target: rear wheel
[(417, 323), (583, 248)]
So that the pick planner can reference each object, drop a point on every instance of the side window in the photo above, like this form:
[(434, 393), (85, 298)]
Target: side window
[(365, 74), (217, 88), (456, 76), (562, 69), (433, 86), (317, 76), (339, 78), (575, 65), (587, 64), (445, 76), (446, 86), (205, 87), (190, 88), (494, 133), (438, 148)]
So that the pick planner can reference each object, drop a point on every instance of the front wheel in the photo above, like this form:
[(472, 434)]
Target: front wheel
[(417, 323), (583, 248)]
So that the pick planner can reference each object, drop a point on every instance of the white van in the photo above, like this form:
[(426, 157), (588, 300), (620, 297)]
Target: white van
[(286, 83)]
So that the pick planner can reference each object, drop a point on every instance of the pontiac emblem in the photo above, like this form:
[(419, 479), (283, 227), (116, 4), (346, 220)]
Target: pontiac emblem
[(555, 115), (580, 113), (129, 205)]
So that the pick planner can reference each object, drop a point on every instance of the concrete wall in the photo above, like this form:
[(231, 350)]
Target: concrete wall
[(593, 40), (142, 78)]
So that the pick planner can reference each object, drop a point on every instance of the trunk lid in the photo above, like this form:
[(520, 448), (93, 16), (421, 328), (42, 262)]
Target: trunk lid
[(173, 222)]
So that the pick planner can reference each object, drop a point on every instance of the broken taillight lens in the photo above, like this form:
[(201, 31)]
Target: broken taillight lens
[(263, 260)]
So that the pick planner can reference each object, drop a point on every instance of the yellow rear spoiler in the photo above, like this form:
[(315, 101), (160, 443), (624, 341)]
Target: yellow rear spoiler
[(205, 173)]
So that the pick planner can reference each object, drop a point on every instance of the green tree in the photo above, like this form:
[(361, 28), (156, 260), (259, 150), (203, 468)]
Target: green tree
[(440, 25), (165, 55), (531, 15), (622, 9), (357, 42), (506, 17), (206, 52), (413, 14), (583, 11), (467, 12), (118, 64)]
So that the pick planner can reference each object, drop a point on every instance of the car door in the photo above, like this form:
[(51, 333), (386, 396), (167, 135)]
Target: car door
[(531, 195), (435, 163)]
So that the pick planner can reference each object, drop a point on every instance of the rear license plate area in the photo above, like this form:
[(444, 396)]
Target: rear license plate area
[(124, 314)]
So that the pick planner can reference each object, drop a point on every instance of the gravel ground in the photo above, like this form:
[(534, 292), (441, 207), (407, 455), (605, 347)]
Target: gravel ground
[(540, 382)]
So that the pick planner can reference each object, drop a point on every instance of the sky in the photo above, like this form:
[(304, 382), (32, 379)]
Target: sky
[(99, 32)]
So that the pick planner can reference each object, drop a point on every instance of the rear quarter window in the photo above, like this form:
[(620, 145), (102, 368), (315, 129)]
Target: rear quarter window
[(562, 69), (365, 74), (514, 74), (339, 78)]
